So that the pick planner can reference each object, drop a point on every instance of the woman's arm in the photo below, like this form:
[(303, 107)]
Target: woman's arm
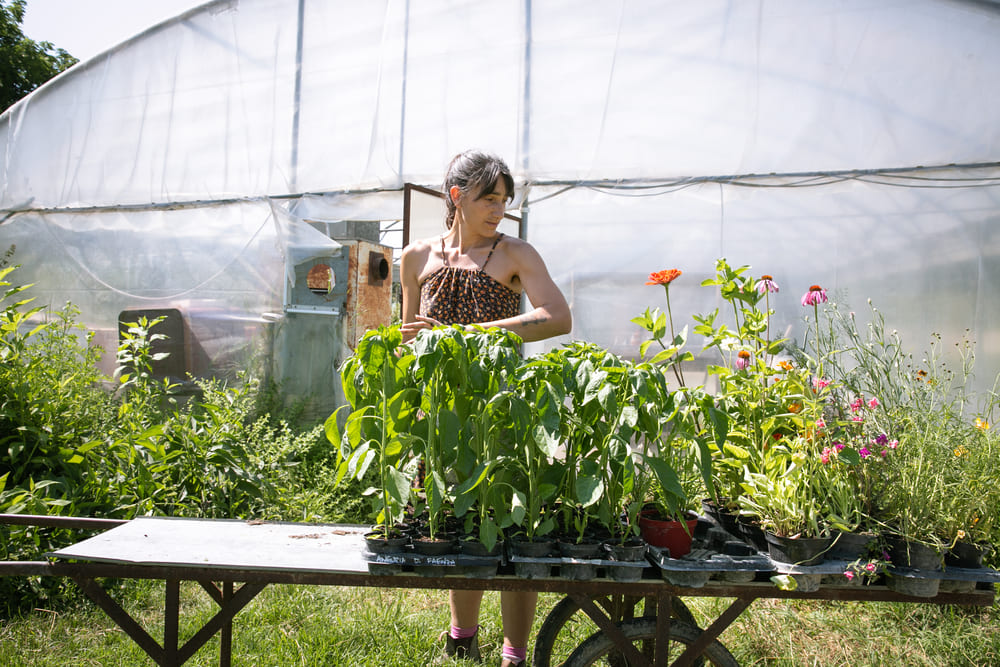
[(550, 314), (411, 263)]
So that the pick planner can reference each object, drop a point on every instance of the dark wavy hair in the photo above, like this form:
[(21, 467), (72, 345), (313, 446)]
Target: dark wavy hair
[(475, 172)]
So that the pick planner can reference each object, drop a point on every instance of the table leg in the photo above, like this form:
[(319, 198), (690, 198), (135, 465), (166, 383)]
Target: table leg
[(713, 631), (171, 621), (121, 617), (226, 637)]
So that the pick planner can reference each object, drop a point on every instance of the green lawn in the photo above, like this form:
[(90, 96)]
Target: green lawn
[(333, 626)]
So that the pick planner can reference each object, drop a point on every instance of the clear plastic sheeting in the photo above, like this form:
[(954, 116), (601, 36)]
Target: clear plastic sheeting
[(852, 144)]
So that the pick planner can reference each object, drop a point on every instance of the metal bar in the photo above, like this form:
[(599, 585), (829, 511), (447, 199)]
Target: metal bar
[(83, 523), (240, 599), (598, 587), (723, 621), (611, 629), (139, 635), (171, 621)]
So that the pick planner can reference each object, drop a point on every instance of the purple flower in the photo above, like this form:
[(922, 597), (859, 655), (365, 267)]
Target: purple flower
[(766, 284), (815, 296), (881, 439), (864, 452)]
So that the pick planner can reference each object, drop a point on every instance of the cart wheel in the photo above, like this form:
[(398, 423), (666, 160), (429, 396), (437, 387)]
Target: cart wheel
[(618, 607), (599, 649)]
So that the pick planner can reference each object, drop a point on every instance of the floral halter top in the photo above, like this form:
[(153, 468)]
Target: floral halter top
[(453, 295)]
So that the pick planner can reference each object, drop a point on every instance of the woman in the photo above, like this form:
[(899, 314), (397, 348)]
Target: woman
[(473, 274)]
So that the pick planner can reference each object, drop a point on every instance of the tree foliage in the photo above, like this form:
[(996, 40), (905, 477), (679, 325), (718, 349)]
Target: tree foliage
[(24, 63)]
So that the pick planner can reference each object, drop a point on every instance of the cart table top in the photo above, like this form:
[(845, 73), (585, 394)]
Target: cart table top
[(226, 544)]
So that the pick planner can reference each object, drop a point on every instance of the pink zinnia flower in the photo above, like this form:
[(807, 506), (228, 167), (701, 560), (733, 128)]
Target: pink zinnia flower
[(820, 423), (870, 567), (856, 405), (766, 284), (857, 418), (838, 446), (825, 456), (815, 296), (873, 403), (893, 444), (864, 452), (849, 575)]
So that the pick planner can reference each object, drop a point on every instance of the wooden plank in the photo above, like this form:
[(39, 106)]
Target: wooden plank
[(223, 543)]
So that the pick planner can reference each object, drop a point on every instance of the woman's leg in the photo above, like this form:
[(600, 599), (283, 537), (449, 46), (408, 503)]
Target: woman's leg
[(517, 608), (465, 608), (463, 640)]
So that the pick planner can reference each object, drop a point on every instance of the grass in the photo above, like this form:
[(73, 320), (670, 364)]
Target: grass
[(334, 626)]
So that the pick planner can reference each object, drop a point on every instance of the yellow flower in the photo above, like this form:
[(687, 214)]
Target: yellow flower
[(961, 534), (960, 450), (981, 424)]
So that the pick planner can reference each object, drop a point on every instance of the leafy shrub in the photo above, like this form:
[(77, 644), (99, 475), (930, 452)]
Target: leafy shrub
[(70, 447)]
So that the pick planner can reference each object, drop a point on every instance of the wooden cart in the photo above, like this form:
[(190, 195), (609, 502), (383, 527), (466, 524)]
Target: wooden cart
[(234, 560)]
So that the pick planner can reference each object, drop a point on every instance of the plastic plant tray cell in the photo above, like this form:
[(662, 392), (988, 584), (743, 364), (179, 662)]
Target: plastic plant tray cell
[(694, 569), (973, 574)]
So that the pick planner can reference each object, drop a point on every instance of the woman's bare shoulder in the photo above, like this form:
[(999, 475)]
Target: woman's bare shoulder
[(419, 249), (519, 249)]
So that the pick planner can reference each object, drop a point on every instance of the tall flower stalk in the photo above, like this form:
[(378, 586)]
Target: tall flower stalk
[(651, 322)]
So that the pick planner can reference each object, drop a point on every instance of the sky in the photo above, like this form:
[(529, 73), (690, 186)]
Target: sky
[(86, 28)]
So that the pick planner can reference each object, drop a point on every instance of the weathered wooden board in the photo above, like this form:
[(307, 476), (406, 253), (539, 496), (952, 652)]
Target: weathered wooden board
[(226, 543)]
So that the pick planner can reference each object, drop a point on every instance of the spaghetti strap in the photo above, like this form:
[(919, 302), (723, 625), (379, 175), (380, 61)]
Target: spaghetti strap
[(492, 248)]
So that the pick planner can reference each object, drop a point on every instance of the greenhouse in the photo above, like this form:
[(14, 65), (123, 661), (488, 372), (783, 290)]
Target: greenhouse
[(204, 168)]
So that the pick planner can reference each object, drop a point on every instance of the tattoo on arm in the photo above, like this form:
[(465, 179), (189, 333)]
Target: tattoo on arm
[(537, 319)]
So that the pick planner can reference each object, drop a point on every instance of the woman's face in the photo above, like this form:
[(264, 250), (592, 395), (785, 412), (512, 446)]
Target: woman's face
[(485, 212)]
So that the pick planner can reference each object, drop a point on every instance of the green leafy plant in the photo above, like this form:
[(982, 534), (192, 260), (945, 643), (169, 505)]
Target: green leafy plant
[(382, 407)]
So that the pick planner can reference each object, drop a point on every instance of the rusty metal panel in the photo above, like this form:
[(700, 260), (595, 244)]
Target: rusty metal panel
[(369, 292)]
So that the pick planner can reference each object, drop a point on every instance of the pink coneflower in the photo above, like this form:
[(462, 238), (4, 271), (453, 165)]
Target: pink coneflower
[(742, 360), (815, 296), (766, 284)]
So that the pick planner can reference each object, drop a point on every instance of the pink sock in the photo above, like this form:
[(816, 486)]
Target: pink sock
[(519, 654), (461, 633)]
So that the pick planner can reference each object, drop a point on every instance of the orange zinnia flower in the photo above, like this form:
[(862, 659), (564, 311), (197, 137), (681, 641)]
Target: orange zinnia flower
[(664, 277), (795, 408)]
